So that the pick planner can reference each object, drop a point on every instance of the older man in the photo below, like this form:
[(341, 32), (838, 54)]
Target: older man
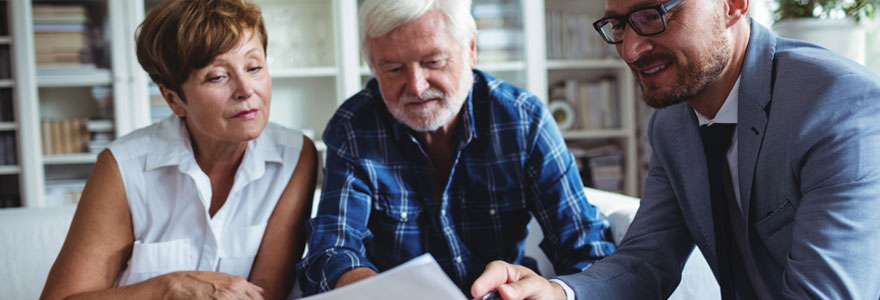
[(765, 157), (435, 157)]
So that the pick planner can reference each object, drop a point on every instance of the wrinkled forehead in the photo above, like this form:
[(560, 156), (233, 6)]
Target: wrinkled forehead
[(614, 8)]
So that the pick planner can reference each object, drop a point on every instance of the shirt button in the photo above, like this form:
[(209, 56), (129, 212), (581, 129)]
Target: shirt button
[(492, 211), (442, 212), (403, 215), (458, 259)]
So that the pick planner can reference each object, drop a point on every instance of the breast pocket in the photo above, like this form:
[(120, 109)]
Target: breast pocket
[(775, 231), (154, 259), (396, 221), (240, 247)]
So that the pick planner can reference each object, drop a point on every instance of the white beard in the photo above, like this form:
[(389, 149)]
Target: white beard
[(435, 115)]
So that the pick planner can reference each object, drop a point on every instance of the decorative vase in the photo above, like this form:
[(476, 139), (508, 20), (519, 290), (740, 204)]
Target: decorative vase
[(843, 36)]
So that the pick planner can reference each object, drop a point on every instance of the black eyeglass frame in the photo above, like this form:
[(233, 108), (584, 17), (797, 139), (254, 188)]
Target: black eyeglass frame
[(662, 9)]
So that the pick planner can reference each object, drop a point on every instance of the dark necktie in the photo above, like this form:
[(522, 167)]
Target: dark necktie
[(731, 272)]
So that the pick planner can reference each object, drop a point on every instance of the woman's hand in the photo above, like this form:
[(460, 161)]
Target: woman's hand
[(209, 285)]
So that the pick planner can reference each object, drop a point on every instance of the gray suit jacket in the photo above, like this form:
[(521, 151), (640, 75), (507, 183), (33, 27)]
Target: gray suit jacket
[(809, 169)]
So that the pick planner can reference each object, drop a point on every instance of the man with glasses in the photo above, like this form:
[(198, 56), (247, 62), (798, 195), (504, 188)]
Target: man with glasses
[(765, 156)]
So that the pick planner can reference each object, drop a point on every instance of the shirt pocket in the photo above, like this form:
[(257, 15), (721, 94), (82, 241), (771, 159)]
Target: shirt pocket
[(496, 220), (240, 247), (154, 259), (396, 223)]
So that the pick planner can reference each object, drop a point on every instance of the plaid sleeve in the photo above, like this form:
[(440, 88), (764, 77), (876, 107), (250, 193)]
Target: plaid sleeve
[(574, 236), (337, 232)]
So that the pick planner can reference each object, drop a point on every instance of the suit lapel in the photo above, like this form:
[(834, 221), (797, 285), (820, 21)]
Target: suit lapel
[(691, 164), (754, 97)]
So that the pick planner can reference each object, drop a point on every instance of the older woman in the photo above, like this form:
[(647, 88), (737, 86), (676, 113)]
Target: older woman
[(210, 202)]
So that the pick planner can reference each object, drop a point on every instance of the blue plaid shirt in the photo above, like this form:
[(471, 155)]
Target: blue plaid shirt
[(382, 203)]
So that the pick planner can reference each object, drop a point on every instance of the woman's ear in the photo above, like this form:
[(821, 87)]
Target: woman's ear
[(174, 101)]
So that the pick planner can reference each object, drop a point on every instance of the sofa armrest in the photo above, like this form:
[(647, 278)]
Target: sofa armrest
[(30, 239), (619, 210)]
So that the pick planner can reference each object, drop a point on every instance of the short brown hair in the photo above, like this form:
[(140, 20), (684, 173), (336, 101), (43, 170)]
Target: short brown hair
[(180, 36)]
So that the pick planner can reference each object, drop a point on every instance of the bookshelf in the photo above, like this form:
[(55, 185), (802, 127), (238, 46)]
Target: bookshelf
[(315, 64)]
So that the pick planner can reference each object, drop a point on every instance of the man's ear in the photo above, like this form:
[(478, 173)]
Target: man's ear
[(473, 51), (174, 101), (736, 10)]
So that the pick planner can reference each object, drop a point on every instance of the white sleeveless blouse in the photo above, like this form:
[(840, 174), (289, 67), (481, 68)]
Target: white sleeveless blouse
[(169, 197)]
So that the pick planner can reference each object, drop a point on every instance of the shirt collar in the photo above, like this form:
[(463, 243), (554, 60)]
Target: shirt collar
[(174, 148), (727, 114)]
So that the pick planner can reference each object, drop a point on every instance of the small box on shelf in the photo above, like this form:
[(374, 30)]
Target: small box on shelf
[(64, 192)]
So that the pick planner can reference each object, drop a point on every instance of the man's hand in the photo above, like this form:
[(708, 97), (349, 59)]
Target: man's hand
[(354, 275), (515, 283)]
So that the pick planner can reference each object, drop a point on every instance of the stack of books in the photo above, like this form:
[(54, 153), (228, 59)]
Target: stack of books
[(60, 35), (570, 36), (601, 167), (500, 36), (596, 103)]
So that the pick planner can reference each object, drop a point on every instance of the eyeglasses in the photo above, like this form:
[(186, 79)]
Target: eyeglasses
[(646, 22)]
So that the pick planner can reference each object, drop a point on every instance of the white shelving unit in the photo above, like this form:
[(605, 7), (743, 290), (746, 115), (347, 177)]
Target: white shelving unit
[(320, 69)]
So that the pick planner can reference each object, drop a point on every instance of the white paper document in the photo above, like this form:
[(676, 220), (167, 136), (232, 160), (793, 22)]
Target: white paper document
[(420, 278)]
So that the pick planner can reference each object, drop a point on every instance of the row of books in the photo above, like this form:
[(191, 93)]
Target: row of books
[(4, 16), (571, 36), (8, 149), (60, 34), (500, 36), (601, 167), (7, 113), (67, 136), (595, 103), (5, 62)]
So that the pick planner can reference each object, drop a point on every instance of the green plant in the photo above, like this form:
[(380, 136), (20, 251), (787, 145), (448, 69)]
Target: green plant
[(823, 9)]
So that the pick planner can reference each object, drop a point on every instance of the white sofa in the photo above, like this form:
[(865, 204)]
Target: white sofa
[(31, 238)]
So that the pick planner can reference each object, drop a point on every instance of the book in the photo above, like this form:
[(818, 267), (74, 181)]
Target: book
[(48, 145), (11, 149), (3, 149), (5, 62)]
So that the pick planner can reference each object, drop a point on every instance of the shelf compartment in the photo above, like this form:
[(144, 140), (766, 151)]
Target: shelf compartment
[(596, 134), (70, 159), (93, 79), (585, 64), (303, 72), (502, 66), (100, 126), (10, 170)]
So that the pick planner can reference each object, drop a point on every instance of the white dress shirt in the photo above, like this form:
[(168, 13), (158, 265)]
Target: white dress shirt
[(727, 114), (169, 197)]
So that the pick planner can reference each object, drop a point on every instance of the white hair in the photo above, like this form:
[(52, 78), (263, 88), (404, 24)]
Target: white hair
[(379, 17)]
